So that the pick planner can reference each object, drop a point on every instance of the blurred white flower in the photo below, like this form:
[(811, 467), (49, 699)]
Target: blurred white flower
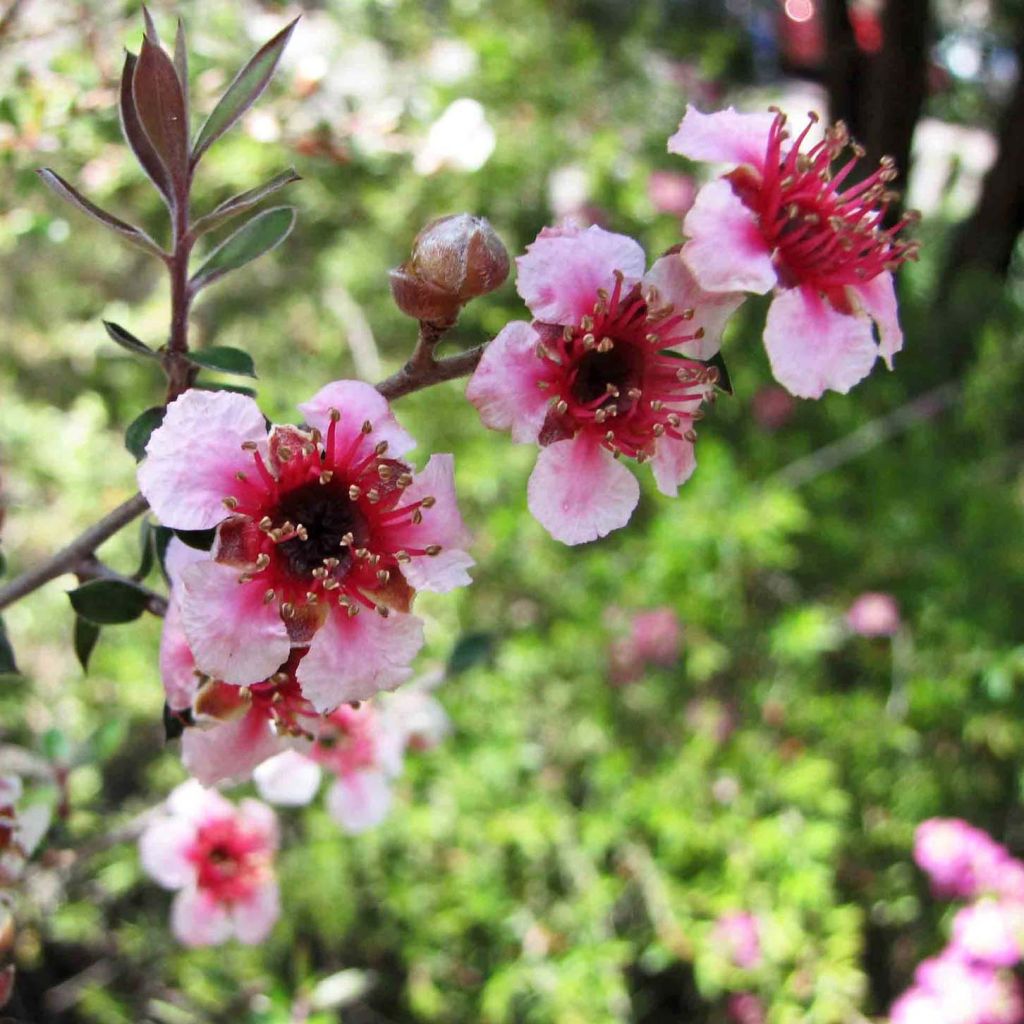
[(461, 139), (568, 190), (450, 60)]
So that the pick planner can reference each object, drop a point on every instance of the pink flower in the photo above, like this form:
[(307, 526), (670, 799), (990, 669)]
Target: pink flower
[(990, 932), (606, 369), (958, 991), (961, 860), (670, 192), (737, 935), (655, 638), (415, 714), (772, 408), (313, 525), (220, 859), (782, 220), (359, 747), (874, 614), (745, 1008)]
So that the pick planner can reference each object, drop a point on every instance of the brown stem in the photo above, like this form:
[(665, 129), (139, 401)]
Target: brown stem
[(80, 551), (180, 372)]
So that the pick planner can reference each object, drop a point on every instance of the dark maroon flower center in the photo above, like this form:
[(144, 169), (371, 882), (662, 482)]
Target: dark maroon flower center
[(327, 514)]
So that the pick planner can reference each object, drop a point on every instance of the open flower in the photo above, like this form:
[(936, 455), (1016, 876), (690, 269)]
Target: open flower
[(961, 860), (608, 368), (220, 858), (782, 219), (21, 829), (314, 526)]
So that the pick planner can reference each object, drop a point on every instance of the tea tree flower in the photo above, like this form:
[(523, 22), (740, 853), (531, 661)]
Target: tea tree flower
[(607, 369), (961, 860), (220, 859), (783, 220), (315, 525)]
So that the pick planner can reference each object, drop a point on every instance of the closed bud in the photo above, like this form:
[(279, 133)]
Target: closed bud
[(454, 259)]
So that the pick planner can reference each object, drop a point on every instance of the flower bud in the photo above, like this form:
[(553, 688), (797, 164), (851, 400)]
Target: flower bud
[(454, 259)]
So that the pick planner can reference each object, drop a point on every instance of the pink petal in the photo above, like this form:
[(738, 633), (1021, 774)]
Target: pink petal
[(676, 286), (255, 916), (178, 557), (353, 657), (199, 920), (261, 820), (233, 634), (357, 402), (359, 801), (504, 386), (878, 299), (673, 464), (290, 779), (191, 801), (726, 251), (442, 524), (192, 457), (177, 666), (812, 348), (560, 273), (578, 492), (163, 851), (725, 137), (228, 750)]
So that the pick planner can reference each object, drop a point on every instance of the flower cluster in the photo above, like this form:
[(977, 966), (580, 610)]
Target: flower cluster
[(969, 982)]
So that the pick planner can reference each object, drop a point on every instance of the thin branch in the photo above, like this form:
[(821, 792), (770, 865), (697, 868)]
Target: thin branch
[(419, 374)]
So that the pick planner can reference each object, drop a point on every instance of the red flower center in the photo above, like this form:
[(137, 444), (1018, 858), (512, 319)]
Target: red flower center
[(230, 860), (612, 377), (822, 235), (346, 740)]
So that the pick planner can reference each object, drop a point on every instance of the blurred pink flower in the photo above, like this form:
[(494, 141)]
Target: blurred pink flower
[(745, 1008), (990, 932), (738, 937), (965, 993), (671, 192), (21, 829), (220, 858), (655, 638), (961, 860), (874, 614), (772, 407)]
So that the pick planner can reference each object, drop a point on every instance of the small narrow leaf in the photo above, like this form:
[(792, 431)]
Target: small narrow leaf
[(136, 437), (136, 136), (160, 104), (162, 536), (261, 234), (225, 360), (243, 201), (150, 25), (181, 63), (127, 341), (8, 666), (243, 92), (86, 635), (147, 550), (109, 602), (470, 649), (136, 236), (201, 540)]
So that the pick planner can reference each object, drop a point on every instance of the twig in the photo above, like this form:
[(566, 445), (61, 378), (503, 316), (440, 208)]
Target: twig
[(79, 552)]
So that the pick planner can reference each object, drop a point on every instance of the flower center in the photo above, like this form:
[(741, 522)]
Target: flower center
[(823, 235), (229, 860), (608, 376), (327, 516)]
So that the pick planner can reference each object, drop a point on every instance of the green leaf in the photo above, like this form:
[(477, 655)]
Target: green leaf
[(243, 201), (724, 383), (147, 545), (201, 540), (261, 234), (135, 236), (225, 360), (243, 92), (136, 437), (3, 563), (127, 341), (85, 637), (8, 665), (109, 602), (55, 746), (237, 389), (161, 538), (470, 649)]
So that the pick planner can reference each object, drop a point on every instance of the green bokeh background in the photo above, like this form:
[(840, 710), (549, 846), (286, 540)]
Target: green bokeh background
[(562, 857)]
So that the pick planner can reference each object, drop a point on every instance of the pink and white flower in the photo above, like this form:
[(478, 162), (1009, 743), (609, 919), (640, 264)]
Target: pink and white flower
[(961, 860), (737, 934), (874, 614), (220, 859), (314, 525), (782, 220), (608, 368), (990, 932)]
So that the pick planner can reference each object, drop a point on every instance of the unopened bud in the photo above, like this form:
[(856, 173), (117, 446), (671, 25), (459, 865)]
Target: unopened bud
[(454, 259)]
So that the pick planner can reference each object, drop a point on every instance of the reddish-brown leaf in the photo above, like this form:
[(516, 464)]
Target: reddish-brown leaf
[(134, 134), (160, 104)]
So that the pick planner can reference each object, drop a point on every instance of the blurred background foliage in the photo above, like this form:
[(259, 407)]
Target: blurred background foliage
[(563, 856)]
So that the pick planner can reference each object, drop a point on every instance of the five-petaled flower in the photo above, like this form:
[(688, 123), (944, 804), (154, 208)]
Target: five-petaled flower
[(608, 368), (220, 858), (314, 525), (783, 219)]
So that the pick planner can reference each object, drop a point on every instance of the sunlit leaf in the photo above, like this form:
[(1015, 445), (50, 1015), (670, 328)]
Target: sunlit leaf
[(261, 234)]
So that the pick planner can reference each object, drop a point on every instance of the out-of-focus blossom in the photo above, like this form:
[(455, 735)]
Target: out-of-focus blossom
[(772, 407), (711, 718), (671, 192), (782, 221), (414, 713), (964, 992), (655, 638), (450, 60), (568, 191), (962, 861), (737, 936), (461, 139), (745, 1008), (608, 368), (21, 829), (220, 859), (874, 614), (990, 932)]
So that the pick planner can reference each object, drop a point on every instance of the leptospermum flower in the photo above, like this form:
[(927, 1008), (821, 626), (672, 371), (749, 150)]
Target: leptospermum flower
[(783, 220), (961, 860), (220, 858), (314, 525), (608, 368)]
